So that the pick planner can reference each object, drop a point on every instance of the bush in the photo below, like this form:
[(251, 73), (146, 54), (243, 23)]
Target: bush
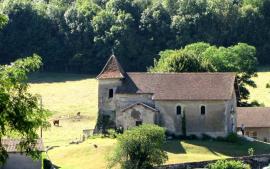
[(232, 138), (267, 85), (251, 151), (184, 128), (206, 137), (169, 134), (192, 137), (228, 164), (139, 148), (112, 133), (221, 139), (47, 164), (103, 123)]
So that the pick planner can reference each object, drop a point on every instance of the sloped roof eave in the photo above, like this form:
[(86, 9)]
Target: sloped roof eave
[(260, 117), (139, 103), (111, 70), (181, 86)]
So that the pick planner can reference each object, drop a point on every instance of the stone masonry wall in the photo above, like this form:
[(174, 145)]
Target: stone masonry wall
[(213, 123)]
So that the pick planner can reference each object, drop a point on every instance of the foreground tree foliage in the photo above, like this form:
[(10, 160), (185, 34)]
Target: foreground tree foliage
[(140, 148), (228, 164), (202, 57), (3, 21), (20, 112), (79, 35)]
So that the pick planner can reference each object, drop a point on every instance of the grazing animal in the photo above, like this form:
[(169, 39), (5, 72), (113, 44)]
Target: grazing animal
[(78, 117), (56, 122)]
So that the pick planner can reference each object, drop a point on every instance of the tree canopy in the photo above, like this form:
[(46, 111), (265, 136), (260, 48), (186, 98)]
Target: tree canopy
[(79, 35), (140, 148), (203, 57), (20, 112), (3, 21)]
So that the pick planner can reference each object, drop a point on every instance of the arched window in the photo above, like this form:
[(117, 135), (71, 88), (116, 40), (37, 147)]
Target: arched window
[(111, 93), (202, 110), (178, 110)]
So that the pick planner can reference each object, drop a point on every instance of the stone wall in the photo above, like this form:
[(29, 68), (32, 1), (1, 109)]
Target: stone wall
[(214, 122), (256, 162), (106, 105), (263, 133), (122, 101), (138, 113)]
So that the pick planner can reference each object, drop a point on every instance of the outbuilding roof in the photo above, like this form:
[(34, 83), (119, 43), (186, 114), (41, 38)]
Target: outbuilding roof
[(112, 70), (11, 145), (142, 104), (180, 86), (253, 116)]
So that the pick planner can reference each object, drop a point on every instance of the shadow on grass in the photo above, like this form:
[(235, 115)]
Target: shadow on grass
[(232, 149), (217, 147), (56, 167), (57, 77), (174, 146), (47, 164), (265, 68)]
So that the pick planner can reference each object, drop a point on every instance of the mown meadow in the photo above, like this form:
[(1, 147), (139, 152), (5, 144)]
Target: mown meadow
[(66, 94)]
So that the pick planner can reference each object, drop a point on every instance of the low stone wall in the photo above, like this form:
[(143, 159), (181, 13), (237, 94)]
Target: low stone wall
[(256, 162)]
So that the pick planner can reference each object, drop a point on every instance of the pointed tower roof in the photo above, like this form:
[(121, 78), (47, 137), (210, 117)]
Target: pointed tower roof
[(112, 70)]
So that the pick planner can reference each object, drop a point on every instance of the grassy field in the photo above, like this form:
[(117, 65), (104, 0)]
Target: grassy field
[(86, 156), (197, 150), (261, 93), (67, 94)]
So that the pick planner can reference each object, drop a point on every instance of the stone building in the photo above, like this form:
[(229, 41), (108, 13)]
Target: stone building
[(19, 160), (256, 121), (208, 100)]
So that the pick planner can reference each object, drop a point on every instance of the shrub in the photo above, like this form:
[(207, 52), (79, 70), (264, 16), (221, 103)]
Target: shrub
[(103, 123), (169, 134), (222, 139), (251, 151), (184, 129), (192, 137), (267, 85), (228, 164), (112, 133), (140, 148), (206, 137), (232, 138)]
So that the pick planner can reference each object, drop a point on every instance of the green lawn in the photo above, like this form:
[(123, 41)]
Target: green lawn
[(197, 150), (67, 94), (261, 93), (86, 156)]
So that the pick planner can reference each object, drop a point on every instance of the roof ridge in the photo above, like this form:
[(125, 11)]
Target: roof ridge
[(112, 69)]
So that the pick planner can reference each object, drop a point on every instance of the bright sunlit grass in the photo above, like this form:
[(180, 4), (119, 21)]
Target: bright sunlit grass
[(67, 94), (261, 93)]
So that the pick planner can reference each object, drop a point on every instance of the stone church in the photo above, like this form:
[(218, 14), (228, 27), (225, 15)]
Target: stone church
[(207, 101)]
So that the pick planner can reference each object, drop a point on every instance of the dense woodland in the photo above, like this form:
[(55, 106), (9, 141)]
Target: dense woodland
[(79, 35)]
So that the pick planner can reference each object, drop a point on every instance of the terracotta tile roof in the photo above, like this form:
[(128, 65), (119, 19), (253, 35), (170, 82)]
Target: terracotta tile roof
[(253, 116), (112, 70), (142, 104), (11, 145), (181, 86)]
